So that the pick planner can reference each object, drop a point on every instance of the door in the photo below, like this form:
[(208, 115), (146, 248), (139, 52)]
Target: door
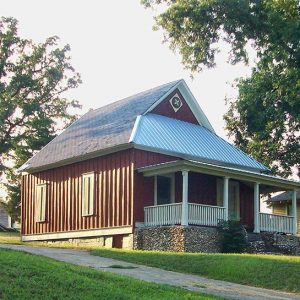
[(234, 201)]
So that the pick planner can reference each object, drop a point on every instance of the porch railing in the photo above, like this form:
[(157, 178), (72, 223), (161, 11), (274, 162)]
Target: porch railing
[(170, 214), (276, 223), (208, 215)]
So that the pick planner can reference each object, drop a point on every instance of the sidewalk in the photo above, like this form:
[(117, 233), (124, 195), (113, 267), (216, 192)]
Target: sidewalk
[(190, 282)]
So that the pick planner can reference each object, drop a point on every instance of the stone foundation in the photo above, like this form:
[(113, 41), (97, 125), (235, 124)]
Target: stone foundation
[(120, 241), (276, 243), (177, 239)]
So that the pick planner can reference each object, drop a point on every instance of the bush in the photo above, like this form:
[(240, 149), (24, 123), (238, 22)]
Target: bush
[(233, 236)]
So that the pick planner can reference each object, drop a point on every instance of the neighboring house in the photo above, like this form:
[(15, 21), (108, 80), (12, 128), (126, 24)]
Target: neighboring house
[(282, 205), (146, 161), (5, 219)]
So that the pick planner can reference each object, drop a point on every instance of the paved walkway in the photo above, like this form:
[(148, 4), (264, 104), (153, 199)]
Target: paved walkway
[(190, 282)]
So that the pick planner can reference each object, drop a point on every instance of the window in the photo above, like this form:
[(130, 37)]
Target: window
[(164, 190), (40, 202), (87, 194)]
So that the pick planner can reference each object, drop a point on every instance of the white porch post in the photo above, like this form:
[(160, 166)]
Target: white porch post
[(225, 196), (185, 207), (256, 208), (294, 211)]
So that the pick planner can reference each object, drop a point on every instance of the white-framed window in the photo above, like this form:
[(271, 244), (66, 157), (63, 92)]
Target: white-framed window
[(88, 194), (164, 189), (40, 202)]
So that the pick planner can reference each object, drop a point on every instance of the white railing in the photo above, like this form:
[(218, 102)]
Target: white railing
[(208, 215), (276, 223), (168, 214)]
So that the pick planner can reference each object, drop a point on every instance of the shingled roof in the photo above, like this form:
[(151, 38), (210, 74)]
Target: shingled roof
[(98, 129), (130, 123)]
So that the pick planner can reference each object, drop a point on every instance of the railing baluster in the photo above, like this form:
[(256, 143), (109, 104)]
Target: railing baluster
[(276, 223)]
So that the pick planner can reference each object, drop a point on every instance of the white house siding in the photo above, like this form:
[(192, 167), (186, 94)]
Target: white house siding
[(4, 218)]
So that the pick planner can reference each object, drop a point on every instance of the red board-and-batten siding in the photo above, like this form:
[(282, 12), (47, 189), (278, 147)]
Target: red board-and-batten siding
[(184, 113), (113, 194)]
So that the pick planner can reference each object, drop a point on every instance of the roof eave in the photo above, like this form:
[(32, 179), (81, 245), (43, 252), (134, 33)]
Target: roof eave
[(218, 171), (77, 159), (196, 158)]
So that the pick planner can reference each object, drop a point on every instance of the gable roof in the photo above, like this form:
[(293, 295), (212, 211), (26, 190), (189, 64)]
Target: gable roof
[(98, 129), (182, 139), (129, 123), (285, 196)]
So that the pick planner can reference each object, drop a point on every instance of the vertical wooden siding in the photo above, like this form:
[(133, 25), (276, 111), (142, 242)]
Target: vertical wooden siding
[(144, 186), (184, 113), (113, 195)]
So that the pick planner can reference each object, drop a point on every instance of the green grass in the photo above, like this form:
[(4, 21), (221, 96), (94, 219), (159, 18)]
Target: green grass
[(25, 276), (268, 271)]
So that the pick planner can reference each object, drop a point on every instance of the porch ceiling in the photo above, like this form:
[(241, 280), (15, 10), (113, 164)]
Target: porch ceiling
[(205, 168)]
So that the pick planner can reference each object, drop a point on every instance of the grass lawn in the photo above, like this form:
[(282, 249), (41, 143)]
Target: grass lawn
[(268, 271), (25, 276), (10, 237)]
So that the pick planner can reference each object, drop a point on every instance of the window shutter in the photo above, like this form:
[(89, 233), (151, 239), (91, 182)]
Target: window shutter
[(87, 194), (40, 202)]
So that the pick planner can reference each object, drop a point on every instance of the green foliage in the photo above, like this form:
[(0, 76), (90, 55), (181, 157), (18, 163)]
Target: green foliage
[(25, 276), (33, 78), (264, 118), (246, 269), (233, 236)]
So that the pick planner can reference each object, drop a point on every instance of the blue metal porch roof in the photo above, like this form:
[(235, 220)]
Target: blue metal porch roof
[(170, 136)]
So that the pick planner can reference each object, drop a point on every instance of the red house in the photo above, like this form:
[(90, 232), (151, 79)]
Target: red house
[(146, 172)]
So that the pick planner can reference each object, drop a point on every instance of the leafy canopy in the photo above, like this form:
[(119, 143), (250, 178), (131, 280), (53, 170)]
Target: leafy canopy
[(264, 118), (33, 78)]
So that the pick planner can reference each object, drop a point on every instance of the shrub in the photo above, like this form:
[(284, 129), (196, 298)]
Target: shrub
[(233, 236)]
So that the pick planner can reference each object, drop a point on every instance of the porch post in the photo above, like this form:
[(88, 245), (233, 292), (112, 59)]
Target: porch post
[(185, 207), (256, 208), (294, 211), (225, 196)]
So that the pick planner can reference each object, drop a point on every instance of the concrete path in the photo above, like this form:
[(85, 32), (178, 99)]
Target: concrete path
[(189, 282)]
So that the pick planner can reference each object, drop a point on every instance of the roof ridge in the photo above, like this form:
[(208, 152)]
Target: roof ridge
[(137, 94)]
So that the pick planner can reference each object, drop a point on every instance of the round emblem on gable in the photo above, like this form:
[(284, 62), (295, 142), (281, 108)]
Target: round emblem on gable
[(176, 102)]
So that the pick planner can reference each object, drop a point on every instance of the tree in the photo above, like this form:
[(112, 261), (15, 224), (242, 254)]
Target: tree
[(264, 118), (33, 78)]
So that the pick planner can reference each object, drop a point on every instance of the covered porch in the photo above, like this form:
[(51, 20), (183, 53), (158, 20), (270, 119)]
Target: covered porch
[(235, 194)]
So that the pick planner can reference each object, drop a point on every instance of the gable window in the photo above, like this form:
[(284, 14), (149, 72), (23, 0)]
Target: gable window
[(40, 202), (164, 189), (175, 102), (88, 194)]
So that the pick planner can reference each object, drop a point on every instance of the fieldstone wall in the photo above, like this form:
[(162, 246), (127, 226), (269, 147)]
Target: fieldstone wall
[(177, 239), (270, 242)]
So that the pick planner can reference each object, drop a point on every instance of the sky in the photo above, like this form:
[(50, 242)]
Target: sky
[(118, 54)]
